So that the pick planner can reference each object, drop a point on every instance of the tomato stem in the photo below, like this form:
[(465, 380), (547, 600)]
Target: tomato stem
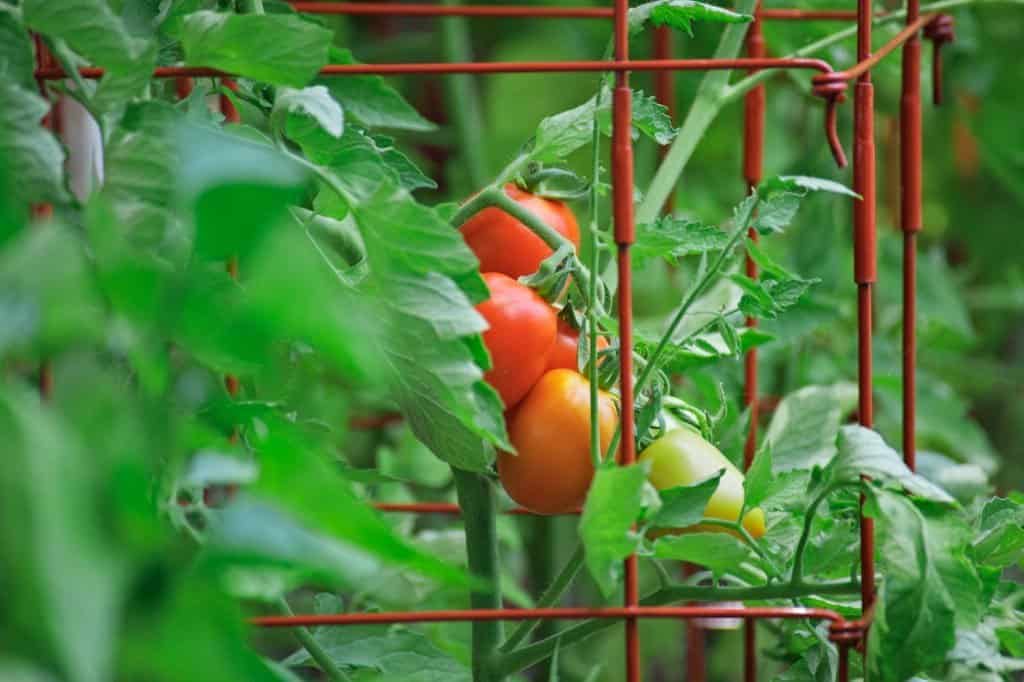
[(524, 657), (796, 577), (741, 225), (312, 646), (476, 497), (552, 595)]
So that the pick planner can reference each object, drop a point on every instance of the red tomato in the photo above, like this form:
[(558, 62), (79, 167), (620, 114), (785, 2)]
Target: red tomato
[(505, 245), (551, 470), (520, 337), (564, 352)]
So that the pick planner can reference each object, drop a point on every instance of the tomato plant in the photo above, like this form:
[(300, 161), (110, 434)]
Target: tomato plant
[(272, 231)]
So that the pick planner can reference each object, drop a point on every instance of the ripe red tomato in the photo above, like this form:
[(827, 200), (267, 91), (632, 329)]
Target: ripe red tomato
[(505, 245), (551, 470), (564, 352), (521, 333)]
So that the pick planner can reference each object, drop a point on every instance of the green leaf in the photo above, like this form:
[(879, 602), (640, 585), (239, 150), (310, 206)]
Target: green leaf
[(17, 58), (804, 427), (299, 478), (52, 527), (683, 506), (862, 452), (371, 101), (92, 29), (606, 527), (781, 197), (424, 282), (804, 183), (275, 48), (719, 552), (1000, 540), (769, 298), (930, 586), (680, 15), (757, 484), (35, 159), (704, 349), (313, 103), (385, 653), (672, 238), (237, 193)]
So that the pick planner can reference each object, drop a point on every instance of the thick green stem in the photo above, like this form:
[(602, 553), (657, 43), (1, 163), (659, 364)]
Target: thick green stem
[(463, 100), (796, 577), (740, 229), (476, 497), (551, 596), (524, 657), (309, 643), (704, 109)]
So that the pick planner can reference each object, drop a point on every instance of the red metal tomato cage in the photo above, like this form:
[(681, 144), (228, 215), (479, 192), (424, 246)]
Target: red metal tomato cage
[(829, 84)]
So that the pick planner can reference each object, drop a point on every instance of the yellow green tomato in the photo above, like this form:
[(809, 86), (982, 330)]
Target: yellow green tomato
[(683, 457)]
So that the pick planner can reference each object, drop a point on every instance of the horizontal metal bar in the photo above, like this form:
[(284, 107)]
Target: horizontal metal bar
[(565, 613), (56, 73), (835, 83), (527, 11)]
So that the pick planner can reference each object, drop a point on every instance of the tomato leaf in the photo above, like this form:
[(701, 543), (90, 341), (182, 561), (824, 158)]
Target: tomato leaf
[(92, 29), (680, 15), (683, 506), (804, 427), (718, 552), (930, 586), (313, 103), (16, 51), (672, 238), (371, 101), (1000, 541), (275, 48), (34, 157), (862, 452), (757, 483), (612, 506)]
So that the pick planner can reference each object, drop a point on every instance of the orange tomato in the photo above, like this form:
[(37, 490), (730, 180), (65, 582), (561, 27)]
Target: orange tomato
[(505, 245), (519, 338), (551, 470)]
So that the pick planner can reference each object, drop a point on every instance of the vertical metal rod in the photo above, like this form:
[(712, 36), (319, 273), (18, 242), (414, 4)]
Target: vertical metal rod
[(753, 169), (844, 662), (910, 223), (865, 266), (622, 198)]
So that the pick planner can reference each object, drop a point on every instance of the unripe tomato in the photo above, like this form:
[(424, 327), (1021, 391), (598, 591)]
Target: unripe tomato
[(551, 470), (564, 352), (505, 245), (520, 336), (683, 457)]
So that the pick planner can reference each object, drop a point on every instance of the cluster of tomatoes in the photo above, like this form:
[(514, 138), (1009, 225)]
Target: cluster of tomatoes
[(547, 401), (534, 361)]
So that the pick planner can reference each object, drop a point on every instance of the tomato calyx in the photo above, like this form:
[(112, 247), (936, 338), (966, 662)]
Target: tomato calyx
[(560, 184)]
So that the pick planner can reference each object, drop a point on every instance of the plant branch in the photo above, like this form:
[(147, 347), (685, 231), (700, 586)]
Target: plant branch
[(551, 596), (476, 498), (796, 577), (524, 657), (742, 225), (748, 539), (317, 652), (705, 107)]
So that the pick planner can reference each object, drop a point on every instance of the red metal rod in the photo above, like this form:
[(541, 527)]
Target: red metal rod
[(910, 222), (561, 613), (526, 11), (92, 72), (448, 508), (753, 164), (42, 212)]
